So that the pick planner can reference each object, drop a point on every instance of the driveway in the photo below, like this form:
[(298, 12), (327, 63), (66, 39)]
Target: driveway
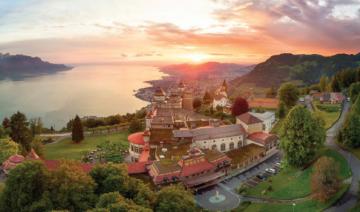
[(349, 199)]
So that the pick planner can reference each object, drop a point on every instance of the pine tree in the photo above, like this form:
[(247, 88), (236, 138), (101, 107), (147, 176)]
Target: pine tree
[(77, 130), (20, 132)]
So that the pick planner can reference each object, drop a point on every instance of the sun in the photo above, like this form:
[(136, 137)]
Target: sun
[(197, 57)]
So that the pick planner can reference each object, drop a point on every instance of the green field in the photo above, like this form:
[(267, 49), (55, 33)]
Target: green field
[(66, 149), (329, 112), (293, 183), (308, 205)]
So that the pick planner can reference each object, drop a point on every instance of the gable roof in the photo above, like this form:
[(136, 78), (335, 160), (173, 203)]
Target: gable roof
[(262, 138), (210, 132), (247, 118)]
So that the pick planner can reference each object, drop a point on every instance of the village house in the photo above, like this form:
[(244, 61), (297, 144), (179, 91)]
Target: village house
[(267, 118), (329, 97), (250, 123), (221, 138)]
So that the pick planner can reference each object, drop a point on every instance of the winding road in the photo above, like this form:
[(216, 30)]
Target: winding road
[(350, 198)]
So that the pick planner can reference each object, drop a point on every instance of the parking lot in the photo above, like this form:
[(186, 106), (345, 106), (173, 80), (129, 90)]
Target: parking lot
[(252, 176), (228, 187)]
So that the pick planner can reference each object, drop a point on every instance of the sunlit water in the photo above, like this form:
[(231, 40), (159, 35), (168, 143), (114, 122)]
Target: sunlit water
[(85, 90)]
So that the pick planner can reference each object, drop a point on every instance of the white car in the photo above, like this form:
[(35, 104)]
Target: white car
[(270, 170)]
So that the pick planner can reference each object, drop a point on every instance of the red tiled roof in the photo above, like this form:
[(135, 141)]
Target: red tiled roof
[(262, 137), (263, 102), (247, 118), (137, 168), (194, 166), (137, 138)]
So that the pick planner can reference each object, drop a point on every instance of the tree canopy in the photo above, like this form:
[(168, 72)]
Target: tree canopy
[(301, 136), (197, 103), (240, 106), (7, 148), (20, 132), (350, 133), (77, 134), (354, 91), (289, 94), (325, 178), (25, 188), (176, 199)]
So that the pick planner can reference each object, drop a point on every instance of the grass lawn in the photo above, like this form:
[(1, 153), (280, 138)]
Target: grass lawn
[(309, 205), (66, 149), (293, 183), (329, 112)]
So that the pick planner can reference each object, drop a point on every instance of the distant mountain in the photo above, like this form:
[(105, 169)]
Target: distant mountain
[(17, 67), (307, 68), (206, 70)]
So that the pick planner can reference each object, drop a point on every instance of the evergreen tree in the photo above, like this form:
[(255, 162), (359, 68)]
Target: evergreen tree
[(77, 134), (20, 132), (6, 123), (197, 103), (301, 136)]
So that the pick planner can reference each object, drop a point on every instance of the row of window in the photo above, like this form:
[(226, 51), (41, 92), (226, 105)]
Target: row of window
[(231, 146)]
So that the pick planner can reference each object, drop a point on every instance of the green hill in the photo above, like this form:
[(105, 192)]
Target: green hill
[(289, 67)]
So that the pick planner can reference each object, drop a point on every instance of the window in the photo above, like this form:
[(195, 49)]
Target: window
[(222, 147), (231, 146), (213, 147), (239, 144)]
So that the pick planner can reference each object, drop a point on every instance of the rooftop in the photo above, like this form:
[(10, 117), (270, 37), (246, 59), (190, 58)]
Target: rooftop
[(210, 132), (262, 137), (248, 118), (137, 138)]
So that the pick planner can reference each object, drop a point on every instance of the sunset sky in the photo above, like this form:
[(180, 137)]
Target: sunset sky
[(168, 31)]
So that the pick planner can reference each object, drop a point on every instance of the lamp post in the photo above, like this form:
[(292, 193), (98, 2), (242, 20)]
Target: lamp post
[(293, 206)]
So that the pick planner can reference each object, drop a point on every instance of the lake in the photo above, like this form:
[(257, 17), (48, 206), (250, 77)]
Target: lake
[(97, 90)]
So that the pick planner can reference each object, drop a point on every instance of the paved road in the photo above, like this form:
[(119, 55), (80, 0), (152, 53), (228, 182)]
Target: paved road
[(350, 198)]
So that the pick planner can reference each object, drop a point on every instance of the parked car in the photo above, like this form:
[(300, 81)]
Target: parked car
[(271, 170)]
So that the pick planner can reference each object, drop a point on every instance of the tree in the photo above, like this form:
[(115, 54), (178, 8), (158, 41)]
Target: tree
[(301, 136), (354, 91), (114, 178), (6, 123), (282, 110), (110, 178), (115, 202), (207, 98), (20, 132), (71, 188), (7, 148), (197, 103), (36, 126), (25, 188), (289, 94), (335, 84), (135, 126), (239, 107), (176, 199), (77, 134), (323, 84), (350, 133), (325, 180), (271, 92)]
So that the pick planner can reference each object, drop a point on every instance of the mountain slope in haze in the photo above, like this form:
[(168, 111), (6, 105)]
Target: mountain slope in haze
[(17, 67), (206, 70), (307, 68)]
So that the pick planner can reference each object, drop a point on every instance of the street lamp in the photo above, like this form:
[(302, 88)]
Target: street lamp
[(293, 206)]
